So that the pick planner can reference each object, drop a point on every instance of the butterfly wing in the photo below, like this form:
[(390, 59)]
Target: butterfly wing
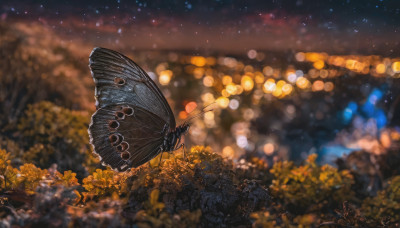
[(124, 135), (120, 80), (132, 117)]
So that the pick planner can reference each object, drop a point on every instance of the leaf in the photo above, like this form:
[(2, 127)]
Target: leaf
[(154, 197)]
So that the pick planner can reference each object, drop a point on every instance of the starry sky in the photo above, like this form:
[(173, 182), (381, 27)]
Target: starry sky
[(334, 26)]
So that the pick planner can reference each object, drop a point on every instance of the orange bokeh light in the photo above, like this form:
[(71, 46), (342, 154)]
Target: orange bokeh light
[(396, 67), (380, 68), (182, 115), (319, 64), (189, 107), (318, 85), (198, 61), (302, 83)]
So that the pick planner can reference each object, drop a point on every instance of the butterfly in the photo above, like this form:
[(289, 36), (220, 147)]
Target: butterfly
[(133, 122)]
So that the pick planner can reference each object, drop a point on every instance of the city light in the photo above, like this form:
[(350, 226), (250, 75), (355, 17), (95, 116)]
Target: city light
[(165, 77)]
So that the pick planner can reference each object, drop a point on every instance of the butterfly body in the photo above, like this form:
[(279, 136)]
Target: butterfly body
[(173, 138), (133, 122)]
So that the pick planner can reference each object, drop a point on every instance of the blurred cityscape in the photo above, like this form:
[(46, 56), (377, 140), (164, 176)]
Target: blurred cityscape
[(286, 105)]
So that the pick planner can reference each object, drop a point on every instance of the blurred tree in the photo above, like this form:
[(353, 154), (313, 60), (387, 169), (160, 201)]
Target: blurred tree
[(30, 73)]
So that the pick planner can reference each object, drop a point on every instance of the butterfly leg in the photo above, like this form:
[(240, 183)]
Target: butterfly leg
[(182, 145), (184, 153), (185, 156), (179, 145)]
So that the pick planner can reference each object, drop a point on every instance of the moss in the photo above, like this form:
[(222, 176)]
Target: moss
[(53, 134), (310, 188), (385, 207), (14, 148), (102, 183), (8, 174), (29, 177), (201, 190), (263, 220), (204, 182)]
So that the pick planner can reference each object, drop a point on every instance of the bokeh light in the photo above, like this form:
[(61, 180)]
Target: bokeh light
[(226, 79), (252, 54), (396, 67), (268, 71), (302, 83), (242, 141), (228, 152), (231, 88), (189, 107), (269, 86), (165, 77), (269, 149), (287, 89), (208, 81), (319, 64), (318, 85), (208, 98), (300, 56), (247, 83), (198, 72), (199, 61), (183, 115), (380, 68), (223, 102), (329, 86), (234, 104)]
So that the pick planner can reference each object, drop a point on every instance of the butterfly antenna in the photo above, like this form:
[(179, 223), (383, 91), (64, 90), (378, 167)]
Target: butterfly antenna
[(197, 115), (209, 105), (203, 111)]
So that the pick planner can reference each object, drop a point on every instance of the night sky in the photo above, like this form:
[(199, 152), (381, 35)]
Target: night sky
[(335, 26)]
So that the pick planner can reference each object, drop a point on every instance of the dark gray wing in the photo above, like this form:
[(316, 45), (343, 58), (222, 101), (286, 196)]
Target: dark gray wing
[(126, 136), (120, 80)]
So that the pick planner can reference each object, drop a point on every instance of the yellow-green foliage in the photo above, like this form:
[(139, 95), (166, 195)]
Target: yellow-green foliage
[(11, 146), (68, 179), (166, 178), (263, 220), (45, 123), (310, 187), (307, 220), (170, 172), (175, 166), (7, 172), (205, 190), (53, 134), (254, 169), (386, 205), (104, 183), (28, 177)]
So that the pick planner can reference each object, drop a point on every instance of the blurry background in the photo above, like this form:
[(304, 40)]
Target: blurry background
[(288, 78)]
